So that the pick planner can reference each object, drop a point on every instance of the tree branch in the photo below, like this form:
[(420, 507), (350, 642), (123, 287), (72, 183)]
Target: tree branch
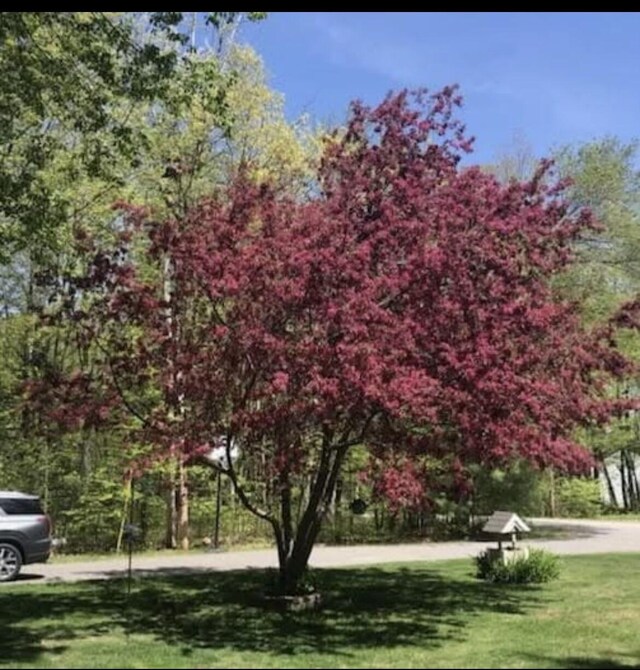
[(132, 410), (231, 473)]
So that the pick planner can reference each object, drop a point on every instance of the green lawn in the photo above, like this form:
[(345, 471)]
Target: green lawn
[(419, 615), (623, 516), (154, 553)]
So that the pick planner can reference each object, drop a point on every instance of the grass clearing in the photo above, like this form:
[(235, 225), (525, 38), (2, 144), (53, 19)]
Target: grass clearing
[(409, 615)]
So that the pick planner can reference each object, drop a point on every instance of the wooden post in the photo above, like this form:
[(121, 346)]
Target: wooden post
[(216, 532), (183, 507)]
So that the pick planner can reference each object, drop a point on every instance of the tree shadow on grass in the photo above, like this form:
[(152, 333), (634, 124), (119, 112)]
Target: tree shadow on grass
[(586, 663), (363, 608)]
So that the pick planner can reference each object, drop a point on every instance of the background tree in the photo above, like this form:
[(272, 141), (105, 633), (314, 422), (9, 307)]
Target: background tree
[(602, 176), (61, 74), (605, 178), (178, 124), (516, 161)]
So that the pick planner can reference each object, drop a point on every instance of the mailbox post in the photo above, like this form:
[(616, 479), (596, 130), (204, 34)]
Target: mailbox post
[(131, 535), (218, 458)]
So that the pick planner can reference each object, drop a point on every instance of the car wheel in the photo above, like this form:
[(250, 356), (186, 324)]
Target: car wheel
[(10, 562)]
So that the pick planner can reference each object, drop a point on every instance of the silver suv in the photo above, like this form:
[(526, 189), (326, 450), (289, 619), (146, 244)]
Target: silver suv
[(25, 533)]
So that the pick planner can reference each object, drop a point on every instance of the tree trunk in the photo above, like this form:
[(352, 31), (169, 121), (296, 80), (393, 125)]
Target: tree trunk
[(552, 494), (623, 481), (634, 491), (182, 530), (292, 572), (47, 469), (126, 502), (294, 552), (294, 548), (170, 541), (634, 476), (293, 558), (85, 458), (337, 511), (613, 499)]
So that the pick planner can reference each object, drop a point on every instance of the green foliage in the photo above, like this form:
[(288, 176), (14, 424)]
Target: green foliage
[(531, 492), (520, 488), (81, 96), (537, 568), (578, 497), (93, 522), (219, 19), (94, 108), (606, 180), (68, 82)]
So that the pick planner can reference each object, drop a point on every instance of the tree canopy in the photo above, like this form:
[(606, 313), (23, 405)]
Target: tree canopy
[(406, 307)]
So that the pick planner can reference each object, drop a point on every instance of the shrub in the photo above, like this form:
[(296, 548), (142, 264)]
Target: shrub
[(577, 497), (519, 488), (92, 523), (539, 567)]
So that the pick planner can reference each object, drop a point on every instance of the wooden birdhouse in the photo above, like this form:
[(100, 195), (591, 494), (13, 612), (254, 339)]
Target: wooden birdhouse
[(504, 527)]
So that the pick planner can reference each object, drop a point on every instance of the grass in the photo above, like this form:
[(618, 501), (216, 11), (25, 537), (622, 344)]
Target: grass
[(621, 516), (417, 615), (150, 553), (92, 557)]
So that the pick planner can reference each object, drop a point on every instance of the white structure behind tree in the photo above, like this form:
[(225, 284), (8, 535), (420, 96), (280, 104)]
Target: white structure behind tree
[(619, 480)]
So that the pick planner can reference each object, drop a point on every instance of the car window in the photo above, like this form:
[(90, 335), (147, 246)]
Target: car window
[(18, 506)]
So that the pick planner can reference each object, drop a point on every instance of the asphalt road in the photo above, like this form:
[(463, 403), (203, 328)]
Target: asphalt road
[(566, 537)]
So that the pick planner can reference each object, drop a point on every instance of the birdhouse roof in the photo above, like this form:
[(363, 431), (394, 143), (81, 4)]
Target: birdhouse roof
[(505, 523)]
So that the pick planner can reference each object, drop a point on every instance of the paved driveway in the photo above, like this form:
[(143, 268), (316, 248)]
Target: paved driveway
[(569, 537)]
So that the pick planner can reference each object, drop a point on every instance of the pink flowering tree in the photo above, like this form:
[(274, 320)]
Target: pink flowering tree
[(405, 307)]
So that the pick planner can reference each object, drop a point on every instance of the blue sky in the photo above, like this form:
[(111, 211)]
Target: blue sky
[(553, 78)]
